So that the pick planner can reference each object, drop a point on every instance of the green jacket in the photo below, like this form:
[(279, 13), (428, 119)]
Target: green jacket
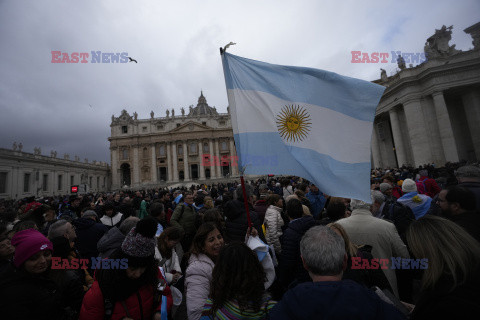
[(185, 221)]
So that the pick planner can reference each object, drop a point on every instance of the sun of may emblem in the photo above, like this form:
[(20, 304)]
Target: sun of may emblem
[(293, 123)]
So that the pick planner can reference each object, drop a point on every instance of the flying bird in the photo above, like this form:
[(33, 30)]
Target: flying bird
[(131, 59), (228, 45), (90, 106)]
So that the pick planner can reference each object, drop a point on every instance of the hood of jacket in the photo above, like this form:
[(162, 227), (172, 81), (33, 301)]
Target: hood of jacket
[(83, 223), (301, 225), (111, 240), (234, 208)]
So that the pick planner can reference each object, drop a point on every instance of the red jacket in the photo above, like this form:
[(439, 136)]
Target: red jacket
[(93, 304), (428, 187)]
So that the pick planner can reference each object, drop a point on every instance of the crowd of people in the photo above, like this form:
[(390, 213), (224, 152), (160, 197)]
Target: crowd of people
[(194, 253)]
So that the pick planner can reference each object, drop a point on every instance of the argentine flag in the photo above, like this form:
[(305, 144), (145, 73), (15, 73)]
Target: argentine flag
[(300, 121)]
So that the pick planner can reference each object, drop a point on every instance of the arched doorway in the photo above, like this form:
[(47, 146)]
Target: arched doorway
[(207, 173), (125, 174), (181, 175)]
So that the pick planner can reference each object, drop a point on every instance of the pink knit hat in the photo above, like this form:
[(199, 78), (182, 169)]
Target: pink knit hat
[(27, 243)]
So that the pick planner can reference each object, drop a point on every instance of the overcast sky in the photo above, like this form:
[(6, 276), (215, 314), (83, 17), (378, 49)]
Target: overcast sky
[(176, 44)]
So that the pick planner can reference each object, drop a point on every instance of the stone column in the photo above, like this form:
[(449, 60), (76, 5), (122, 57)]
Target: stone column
[(154, 165), (115, 173), (397, 138), (417, 132), (376, 155), (185, 162), (471, 104), (233, 161), (200, 165), (213, 174), (168, 150), (175, 161), (217, 154), (445, 128), (136, 167)]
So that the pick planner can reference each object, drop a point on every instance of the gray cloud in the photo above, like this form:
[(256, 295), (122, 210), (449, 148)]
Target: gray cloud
[(176, 44)]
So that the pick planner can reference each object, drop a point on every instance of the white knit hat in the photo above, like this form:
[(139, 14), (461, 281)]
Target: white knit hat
[(409, 186)]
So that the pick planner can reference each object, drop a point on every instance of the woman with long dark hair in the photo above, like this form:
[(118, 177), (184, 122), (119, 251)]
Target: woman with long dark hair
[(237, 290), (204, 251), (138, 291)]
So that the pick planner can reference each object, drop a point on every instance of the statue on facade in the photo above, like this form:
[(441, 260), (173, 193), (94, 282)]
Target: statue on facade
[(14, 146), (37, 151), (168, 113), (20, 147), (401, 62), (173, 112), (53, 154), (190, 109), (66, 156), (183, 111), (77, 158), (152, 114), (383, 75), (113, 117), (437, 45), (135, 115), (228, 109)]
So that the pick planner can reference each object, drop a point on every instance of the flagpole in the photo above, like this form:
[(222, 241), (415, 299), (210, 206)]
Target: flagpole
[(242, 181), (245, 201)]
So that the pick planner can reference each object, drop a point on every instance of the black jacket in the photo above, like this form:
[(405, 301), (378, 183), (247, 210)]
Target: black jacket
[(462, 303), (237, 223), (24, 296), (290, 267), (470, 221), (475, 188), (89, 233)]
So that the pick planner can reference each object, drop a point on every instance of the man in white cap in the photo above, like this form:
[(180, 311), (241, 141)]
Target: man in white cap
[(419, 203)]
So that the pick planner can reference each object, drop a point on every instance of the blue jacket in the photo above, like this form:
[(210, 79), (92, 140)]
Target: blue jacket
[(317, 203), (332, 300)]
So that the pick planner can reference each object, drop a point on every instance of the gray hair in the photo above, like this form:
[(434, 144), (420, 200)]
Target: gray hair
[(239, 192), (128, 224), (58, 229), (323, 251), (468, 172), (359, 204), (377, 197)]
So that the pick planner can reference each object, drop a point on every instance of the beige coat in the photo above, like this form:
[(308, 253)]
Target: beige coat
[(362, 228), (273, 226)]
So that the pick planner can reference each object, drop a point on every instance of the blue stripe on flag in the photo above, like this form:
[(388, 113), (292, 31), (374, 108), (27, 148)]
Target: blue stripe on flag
[(350, 96), (266, 153)]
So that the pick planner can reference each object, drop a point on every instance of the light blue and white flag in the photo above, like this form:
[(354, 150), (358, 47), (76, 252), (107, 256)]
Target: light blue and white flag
[(301, 121)]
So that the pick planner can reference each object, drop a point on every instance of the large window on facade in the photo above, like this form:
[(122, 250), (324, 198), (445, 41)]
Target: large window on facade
[(45, 182), (3, 182), (124, 154), (193, 148), (124, 129), (72, 180), (224, 145), (26, 182), (205, 147), (180, 150), (60, 180), (161, 150), (145, 152)]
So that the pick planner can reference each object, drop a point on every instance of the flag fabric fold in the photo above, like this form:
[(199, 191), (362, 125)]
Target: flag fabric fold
[(302, 121)]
